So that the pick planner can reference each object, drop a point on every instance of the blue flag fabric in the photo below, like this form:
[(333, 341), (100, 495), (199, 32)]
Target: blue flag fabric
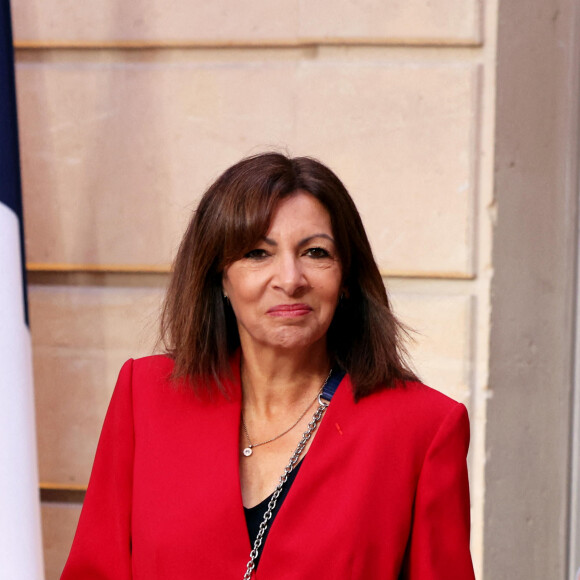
[(20, 538), (10, 189)]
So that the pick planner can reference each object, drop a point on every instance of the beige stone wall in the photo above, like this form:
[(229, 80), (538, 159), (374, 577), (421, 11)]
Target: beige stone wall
[(128, 111)]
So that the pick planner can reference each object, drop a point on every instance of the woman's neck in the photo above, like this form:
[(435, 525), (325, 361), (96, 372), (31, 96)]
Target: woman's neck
[(275, 381)]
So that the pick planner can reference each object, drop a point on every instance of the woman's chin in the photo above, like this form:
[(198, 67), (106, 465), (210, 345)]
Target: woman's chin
[(293, 339)]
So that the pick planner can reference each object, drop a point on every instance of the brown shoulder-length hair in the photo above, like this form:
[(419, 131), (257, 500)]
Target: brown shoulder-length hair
[(198, 328)]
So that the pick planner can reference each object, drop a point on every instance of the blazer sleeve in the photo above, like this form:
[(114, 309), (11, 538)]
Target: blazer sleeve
[(101, 549), (439, 544)]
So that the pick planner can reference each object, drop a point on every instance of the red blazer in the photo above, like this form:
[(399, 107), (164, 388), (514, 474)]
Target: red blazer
[(381, 494)]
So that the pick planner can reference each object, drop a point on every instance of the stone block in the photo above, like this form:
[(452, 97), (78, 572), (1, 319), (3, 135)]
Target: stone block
[(81, 337), (402, 138), (441, 349), (265, 21), (59, 522), (402, 21), (117, 152)]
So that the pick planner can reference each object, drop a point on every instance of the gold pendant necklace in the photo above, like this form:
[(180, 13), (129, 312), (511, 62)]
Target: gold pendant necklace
[(247, 451)]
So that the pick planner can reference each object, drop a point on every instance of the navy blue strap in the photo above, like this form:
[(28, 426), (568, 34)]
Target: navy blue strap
[(332, 384)]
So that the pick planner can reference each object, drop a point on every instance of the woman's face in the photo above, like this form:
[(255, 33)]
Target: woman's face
[(284, 291)]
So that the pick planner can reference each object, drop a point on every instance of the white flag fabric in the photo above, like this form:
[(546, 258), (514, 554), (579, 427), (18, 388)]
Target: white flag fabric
[(20, 537), (20, 543)]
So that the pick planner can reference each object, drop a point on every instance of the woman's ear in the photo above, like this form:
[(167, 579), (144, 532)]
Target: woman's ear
[(223, 280)]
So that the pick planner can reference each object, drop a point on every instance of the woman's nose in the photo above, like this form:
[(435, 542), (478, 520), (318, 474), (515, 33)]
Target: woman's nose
[(290, 275)]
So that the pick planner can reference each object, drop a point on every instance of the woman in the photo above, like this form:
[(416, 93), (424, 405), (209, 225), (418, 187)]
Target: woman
[(283, 416)]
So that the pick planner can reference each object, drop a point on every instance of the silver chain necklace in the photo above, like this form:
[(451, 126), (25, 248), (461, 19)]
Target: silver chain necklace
[(248, 450), (316, 418)]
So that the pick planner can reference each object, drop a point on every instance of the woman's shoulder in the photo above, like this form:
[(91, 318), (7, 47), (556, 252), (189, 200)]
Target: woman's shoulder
[(410, 415), (145, 374), (423, 402), (412, 406), (153, 376), (419, 394), (153, 365), (153, 368), (411, 394)]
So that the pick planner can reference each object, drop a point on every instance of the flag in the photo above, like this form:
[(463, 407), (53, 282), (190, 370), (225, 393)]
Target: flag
[(20, 537)]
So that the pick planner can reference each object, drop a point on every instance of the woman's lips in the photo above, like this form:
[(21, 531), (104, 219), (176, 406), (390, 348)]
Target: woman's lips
[(290, 310)]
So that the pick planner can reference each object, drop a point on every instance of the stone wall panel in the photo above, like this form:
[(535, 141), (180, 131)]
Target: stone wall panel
[(441, 328), (59, 522), (257, 21), (81, 336), (116, 154)]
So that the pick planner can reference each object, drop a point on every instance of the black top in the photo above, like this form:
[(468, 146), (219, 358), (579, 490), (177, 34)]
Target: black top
[(255, 515)]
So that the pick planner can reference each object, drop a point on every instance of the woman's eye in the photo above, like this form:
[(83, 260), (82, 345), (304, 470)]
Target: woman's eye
[(317, 253), (256, 254)]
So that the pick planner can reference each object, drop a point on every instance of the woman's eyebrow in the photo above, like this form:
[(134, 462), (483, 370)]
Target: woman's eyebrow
[(310, 238), (302, 242)]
